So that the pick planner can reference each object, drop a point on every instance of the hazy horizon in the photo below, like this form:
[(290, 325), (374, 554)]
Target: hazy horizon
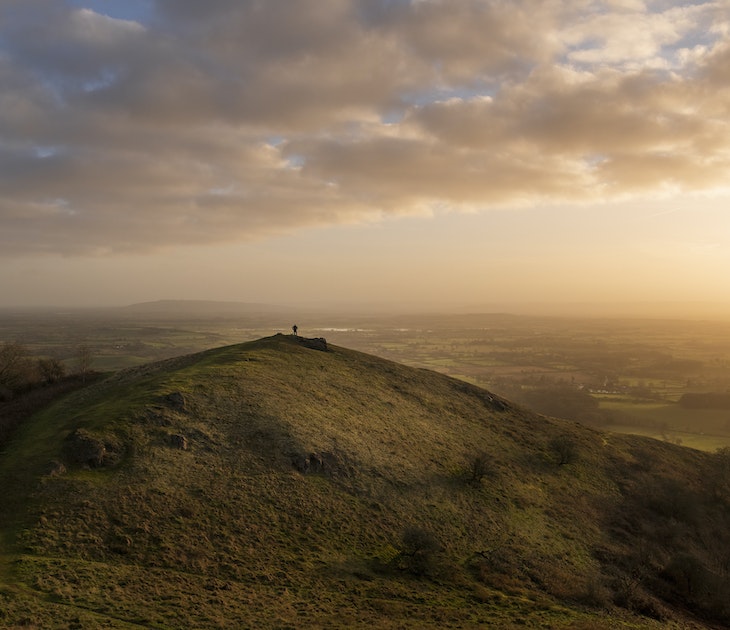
[(305, 311), (410, 154)]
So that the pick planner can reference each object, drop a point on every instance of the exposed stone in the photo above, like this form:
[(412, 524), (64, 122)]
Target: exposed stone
[(301, 463), (176, 400), (331, 464), (84, 448), (178, 441), (159, 417), (314, 463), (120, 543), (316, 343), (489, 399), (55, 468)]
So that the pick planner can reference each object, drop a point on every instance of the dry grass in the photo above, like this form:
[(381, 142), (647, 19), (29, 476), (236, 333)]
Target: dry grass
[(237, 530)]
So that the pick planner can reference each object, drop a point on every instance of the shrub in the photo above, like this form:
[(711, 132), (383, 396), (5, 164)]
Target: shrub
[(480, 466), (16, 370), (718, 474), (51, 370), (418, 550), (84, 360), (596, 594), (689, 576), (564, 449)]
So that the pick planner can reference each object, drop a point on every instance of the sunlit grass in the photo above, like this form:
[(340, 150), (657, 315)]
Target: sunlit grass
[(232, 532), (705, 429), (709, 443)]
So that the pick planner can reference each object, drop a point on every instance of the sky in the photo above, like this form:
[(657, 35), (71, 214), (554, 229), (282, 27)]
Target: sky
[(432, 154)]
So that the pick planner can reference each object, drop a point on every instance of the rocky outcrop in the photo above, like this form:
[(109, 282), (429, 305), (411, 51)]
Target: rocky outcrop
[(178, 441), (55, 468), (176, 400), (329, 463), (314, 343), (89, 449)]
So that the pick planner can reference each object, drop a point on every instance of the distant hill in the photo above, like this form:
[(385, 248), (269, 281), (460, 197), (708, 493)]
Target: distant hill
[(201, 307), (283, 483)]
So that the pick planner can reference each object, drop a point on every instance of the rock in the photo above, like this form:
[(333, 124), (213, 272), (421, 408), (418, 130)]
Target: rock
[(120, 543), (306, 464), (317, 343), (301, 463), (176, 400), (331, 464), (55, 468), (158, 417), (84, 448), (315, 463), (178, 441)]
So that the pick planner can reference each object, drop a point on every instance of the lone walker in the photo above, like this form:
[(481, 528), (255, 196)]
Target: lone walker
[(295, 328)]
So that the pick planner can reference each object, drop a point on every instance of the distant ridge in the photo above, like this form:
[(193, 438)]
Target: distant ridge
[(202, 307)]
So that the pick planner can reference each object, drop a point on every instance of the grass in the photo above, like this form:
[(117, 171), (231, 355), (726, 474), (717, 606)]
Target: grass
[(705, 429), (235, 530), (700, 441)]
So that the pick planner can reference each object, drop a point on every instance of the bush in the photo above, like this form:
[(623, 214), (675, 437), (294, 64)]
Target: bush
[(710, 400), (418, 550), (480, 466), (564, 449), (596, 594), (718, 474), (84, 360), (16, 370), (51, 370), (689, 576)]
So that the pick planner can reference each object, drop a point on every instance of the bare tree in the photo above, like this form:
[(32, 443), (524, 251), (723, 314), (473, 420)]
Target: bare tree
[(84, 360), (51, 369), (15, 367), (418, 550)]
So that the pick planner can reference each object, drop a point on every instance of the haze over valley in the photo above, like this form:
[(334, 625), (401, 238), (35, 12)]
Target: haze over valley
[(364, 314)]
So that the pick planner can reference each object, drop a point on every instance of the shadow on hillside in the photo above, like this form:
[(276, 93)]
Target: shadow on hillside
[(24, 404)]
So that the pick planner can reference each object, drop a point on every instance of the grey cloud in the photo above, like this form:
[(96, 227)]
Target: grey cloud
[(715, 69), (430, 174), (240, 119), (68, 49), (280, 64), (646, 128), (474, 40)]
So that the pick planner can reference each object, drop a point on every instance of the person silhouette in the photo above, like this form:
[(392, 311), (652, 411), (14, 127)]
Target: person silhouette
[(295, 328)]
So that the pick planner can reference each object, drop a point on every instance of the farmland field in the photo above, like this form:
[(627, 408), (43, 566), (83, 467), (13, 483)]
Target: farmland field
[(624, 375)]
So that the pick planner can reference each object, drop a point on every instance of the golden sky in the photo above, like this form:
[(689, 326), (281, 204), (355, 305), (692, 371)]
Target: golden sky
[(424, 153)]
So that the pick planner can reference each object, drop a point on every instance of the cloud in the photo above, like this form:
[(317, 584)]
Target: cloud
[(630, 36), (238, 120)]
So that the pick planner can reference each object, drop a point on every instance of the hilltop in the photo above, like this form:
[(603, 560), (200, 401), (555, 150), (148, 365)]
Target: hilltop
[(284, 482)]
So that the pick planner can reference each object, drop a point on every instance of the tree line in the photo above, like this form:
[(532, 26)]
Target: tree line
[(21, 372), (708, 400), (29, 383)]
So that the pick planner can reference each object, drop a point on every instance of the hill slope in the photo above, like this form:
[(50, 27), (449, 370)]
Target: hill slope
[(274, 484)]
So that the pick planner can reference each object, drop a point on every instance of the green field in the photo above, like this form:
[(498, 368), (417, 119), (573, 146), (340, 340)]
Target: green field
[(620, 374), (705, 429)]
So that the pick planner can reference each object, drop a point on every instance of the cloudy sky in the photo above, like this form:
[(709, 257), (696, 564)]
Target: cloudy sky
[(437, 153)]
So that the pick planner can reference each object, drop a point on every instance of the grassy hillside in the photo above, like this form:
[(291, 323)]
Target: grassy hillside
[(275, 484)]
